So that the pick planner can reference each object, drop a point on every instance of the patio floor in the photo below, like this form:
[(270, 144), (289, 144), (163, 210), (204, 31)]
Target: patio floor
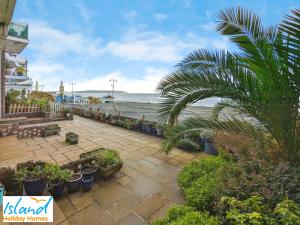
[(144, 189)]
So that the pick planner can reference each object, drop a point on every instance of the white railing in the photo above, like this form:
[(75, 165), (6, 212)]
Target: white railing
[(56, 110)]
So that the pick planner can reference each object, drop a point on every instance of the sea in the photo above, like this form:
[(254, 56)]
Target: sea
[(139, 97)]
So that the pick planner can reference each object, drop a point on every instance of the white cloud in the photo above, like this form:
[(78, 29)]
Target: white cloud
[(85, 13), (147, 46), (49, 42), (160, 16), (49, 46), (156, 46), (146, 84), (210, 26)]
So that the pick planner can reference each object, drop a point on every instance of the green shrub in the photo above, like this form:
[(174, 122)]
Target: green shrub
[(287, 212), (108, 157), (204, 192), (254, 211), (198, 169), (184, 215), (201, 181)]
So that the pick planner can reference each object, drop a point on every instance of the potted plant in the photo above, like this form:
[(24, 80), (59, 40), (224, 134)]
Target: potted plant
[(74, 182), (138, 125), (153, 128), (88, 171), (114, 120), (57, 178), (72, 138), (97, 115), (159, 130), (108, 162), (149, 126), (120, 122), (188, 145), (92, 115), (198, 137), (208, 145), (33, 179), (87, 183), (130, 124)]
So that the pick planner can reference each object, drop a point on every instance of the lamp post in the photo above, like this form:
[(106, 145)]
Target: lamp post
[(113, 81), (73, 84)]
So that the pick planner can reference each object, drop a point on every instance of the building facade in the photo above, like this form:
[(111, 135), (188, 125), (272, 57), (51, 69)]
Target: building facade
[(13, 39)]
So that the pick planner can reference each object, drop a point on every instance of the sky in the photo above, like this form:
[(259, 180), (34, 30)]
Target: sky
[(136, 42)]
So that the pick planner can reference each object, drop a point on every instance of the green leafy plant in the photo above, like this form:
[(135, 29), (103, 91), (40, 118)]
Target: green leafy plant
[(184, 215), (66, 110), (108, 158), (159, 126), (198, 169), (253, 211), (55, 174), (204, 192), (30, 173), (130, 124), (260, 80)]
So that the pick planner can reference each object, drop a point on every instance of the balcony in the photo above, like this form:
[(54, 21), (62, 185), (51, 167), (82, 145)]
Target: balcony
[(17, 38)]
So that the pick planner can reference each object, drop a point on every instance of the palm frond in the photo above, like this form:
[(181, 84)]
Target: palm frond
[(228, 103), (197, 123)]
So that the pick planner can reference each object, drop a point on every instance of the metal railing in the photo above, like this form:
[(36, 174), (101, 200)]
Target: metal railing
[(18, 30)]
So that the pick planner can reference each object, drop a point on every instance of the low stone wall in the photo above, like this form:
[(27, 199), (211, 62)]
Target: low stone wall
[(30, 132), (7, 130), (21, 131)]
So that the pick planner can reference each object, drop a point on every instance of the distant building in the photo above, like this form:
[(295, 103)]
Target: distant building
[(16, 77), (61, 89)]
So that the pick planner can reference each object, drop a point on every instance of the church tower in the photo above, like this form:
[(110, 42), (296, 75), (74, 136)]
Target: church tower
[(61, 89)]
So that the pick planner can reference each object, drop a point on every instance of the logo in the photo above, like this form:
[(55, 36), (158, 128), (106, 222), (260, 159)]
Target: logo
[(28, 209)]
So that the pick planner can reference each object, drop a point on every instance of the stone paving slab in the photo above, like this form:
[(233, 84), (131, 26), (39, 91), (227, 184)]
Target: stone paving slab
[(142, 191)]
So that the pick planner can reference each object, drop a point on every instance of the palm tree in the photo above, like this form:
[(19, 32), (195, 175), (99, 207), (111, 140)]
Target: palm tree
[(261, 79)]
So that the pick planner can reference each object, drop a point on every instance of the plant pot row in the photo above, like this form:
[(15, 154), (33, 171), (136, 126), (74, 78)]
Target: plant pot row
[(128, 123), (148, 128), (85, 179)]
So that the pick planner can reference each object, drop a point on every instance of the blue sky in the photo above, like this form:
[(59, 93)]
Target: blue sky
[(135, 41)]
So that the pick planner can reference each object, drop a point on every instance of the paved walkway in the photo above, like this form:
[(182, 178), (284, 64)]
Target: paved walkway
[(144, 189)]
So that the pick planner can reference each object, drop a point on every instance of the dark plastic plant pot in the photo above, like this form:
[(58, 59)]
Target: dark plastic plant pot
[(57, 189), (149, 130), (144, 128), (137, 127), (209, 148), (35, 187), (159, 132), (153, 130), (89, 171), (74, 183), (201, 142), (87, 183)]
